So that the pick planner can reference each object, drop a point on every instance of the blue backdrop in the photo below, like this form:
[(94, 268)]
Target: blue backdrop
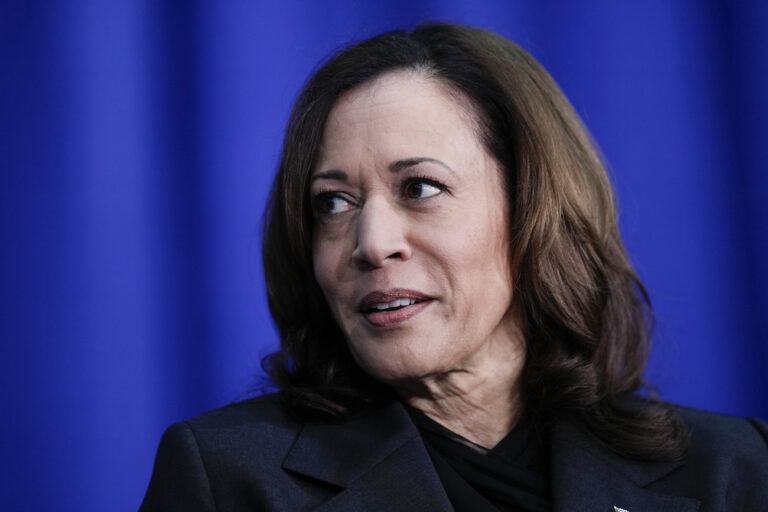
[(137, 143)]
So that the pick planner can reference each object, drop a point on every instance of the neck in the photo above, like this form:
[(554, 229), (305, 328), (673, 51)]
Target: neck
[(480, 401)]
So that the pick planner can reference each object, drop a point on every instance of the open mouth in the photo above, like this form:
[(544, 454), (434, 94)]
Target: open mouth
[(393, 305), (384, 309)]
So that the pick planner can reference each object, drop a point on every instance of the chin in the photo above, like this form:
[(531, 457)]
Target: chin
[(392, 368)]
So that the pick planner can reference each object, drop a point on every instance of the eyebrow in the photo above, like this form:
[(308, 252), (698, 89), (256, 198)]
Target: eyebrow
[(333, 174), (410, 162), (396, 166)]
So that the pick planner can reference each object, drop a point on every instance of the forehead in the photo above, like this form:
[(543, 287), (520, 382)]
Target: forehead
[(398, 115)]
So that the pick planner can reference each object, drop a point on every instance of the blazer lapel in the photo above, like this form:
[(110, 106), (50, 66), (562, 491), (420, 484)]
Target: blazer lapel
[(380, 463), (586, 477), (378, 459)]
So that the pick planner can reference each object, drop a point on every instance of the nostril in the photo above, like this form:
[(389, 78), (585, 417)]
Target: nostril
[(371, 260)]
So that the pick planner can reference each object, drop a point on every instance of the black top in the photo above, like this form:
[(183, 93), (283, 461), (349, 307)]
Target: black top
[(511, 476)]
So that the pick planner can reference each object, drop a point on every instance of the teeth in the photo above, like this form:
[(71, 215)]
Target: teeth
[(394, 304)]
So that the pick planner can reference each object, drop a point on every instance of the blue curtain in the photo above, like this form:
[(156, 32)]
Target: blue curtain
[(138, 142)]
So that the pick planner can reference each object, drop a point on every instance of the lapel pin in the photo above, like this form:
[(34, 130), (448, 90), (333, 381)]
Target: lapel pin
[(617, 509)]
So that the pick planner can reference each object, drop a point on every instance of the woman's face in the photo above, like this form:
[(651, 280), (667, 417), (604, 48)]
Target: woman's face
[(410, 237)]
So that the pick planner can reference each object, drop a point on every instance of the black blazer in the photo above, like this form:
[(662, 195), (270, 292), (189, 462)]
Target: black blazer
[(252, 456)]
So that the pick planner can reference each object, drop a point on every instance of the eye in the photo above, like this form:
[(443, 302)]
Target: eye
[(422, 188), (330, 204)]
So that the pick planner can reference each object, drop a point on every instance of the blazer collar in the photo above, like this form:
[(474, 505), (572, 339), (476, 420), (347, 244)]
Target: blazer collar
[(587, 477), (377, 458), (380, 463)]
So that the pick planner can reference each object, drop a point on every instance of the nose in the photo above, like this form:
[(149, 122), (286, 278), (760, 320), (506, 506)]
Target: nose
[(381, 235)]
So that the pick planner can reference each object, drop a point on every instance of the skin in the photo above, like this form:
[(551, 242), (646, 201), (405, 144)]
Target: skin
[(436, 227)]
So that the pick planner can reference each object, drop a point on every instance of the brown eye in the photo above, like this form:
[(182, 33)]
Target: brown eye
[(330, 204), (421, 188)]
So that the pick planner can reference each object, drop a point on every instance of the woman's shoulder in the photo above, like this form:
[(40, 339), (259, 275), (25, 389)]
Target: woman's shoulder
[(726, 465), (712, 431), (724, 468), (263, 416), (717, 436), (729, 433), (207, 462), (268, 408)]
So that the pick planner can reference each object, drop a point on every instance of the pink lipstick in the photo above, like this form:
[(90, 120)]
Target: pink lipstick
[(392, 307)]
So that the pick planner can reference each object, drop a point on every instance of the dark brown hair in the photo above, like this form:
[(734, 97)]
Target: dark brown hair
[(585, 315)]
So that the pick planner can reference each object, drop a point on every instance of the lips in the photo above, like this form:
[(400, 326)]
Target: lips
[(392, 307)]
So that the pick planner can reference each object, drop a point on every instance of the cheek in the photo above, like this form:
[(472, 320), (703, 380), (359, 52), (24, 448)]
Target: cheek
[(475, 255), (475, 242), (328, 263), (332, 246), (322, 262)]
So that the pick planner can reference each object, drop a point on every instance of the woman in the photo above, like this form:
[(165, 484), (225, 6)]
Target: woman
[(461, 328)]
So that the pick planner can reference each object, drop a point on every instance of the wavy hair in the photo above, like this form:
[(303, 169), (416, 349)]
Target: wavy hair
[(585, 315)]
